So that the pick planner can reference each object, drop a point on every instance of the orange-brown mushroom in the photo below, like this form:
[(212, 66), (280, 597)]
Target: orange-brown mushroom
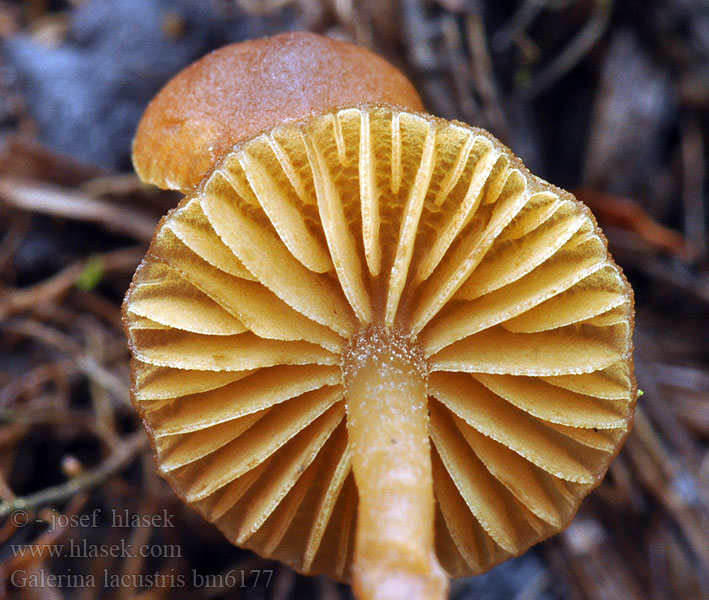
[(370, 343), (243, 89)]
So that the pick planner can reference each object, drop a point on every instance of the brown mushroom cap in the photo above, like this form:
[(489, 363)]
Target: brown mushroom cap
[(243, 89), (258, 288)]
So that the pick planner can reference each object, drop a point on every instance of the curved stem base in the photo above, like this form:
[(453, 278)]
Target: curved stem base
[(387, 419)]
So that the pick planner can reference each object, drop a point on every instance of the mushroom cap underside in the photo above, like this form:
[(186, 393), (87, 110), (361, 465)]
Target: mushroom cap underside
[(303, 236)]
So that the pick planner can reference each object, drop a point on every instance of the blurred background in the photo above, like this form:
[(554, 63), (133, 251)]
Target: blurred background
[(607, 98)]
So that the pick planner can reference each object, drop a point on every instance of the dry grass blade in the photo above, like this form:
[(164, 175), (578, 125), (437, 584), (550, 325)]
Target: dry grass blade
[(72, 204), (120, 457), (574, 52), (18, 300)]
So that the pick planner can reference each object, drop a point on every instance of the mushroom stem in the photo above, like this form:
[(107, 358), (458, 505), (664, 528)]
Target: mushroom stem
[(387, 419)]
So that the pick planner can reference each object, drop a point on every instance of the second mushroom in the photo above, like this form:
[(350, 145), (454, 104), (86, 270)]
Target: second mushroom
[(369, 343)]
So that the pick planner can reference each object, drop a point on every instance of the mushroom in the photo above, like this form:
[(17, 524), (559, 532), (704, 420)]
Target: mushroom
[(368, 342)]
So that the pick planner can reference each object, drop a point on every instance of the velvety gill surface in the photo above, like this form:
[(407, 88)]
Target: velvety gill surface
[(309, 241)]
